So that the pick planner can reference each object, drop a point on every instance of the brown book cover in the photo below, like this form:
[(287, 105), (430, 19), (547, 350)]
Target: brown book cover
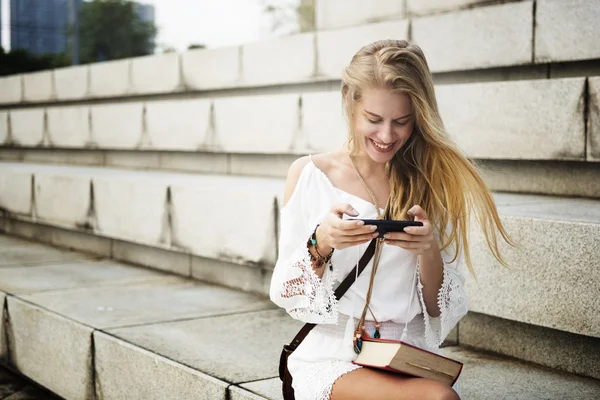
[(401, 357)]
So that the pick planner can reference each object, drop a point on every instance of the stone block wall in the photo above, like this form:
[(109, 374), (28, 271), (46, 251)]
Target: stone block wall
[(177, 161)]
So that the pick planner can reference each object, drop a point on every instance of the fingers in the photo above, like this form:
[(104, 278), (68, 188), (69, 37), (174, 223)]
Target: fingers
[(352, 240), (342, 208)]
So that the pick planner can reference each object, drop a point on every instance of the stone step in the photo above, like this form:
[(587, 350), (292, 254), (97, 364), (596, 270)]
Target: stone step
[(157, 219), (521, 120), (101, 329), (550, 177), (484, 37)]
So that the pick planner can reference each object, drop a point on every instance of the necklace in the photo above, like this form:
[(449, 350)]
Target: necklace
[(360, 328)]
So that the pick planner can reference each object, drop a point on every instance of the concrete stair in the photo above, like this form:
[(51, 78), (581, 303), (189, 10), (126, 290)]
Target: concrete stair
[(152, 218), (98, 329), (152, 160)]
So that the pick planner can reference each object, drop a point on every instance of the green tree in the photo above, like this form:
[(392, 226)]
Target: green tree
[(111, 30), (21, 61)]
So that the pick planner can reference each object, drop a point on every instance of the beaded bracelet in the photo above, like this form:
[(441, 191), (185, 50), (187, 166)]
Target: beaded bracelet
[(320, 260)]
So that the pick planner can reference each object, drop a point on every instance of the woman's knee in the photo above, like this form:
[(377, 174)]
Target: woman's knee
[(444, 393)]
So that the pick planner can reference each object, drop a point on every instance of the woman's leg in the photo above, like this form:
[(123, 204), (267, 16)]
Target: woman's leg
[(366, 383)]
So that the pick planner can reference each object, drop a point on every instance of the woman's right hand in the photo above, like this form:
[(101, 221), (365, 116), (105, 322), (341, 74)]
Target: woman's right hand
[(335, 232)]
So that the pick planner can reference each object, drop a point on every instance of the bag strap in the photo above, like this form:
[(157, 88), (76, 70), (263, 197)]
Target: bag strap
[(339, 292)]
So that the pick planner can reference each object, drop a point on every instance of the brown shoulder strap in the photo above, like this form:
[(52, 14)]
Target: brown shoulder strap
[(340, 291)]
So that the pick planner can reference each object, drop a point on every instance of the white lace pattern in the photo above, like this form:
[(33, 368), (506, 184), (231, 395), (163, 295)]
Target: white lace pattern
[(452, 301), (317, 379), (314, 296)]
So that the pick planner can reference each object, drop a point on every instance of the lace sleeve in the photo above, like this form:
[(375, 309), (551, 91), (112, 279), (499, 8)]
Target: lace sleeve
[(302, 293), (294, 284), (452, 301)]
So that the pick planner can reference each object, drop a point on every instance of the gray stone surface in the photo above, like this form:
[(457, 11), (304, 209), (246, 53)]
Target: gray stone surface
[(567, 30), (157, 73), (209, 235), (556, 209), (117, 125), (210, 163), (62, 199), (131, 205), (484, 37), (552, 348), (594, 120), (29, 254), (38, 86), (3, 126), (552, 279), (268, 388), (18, 280), (59, 237), (237, 393), (133, 159), (156, 258), (538, 119), (71, 83), (161, 300), (249, 278), (272, 166), (341, 13), (335, 48), (15, 189), (11, 89), (252, 341), (211, 68), (3, 344), (109, 78), (421, 7), (245, 133), (544, 177), (27, 126), (490, 377), (323, 122), (11, 154), (126, 371), (178, 124), (279, 61), (68, 126), (54, 351), (77, 156)]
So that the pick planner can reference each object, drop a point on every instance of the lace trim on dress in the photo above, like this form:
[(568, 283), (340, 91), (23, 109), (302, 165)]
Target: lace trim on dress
[(317, 379), (315, 296), (452, 301)]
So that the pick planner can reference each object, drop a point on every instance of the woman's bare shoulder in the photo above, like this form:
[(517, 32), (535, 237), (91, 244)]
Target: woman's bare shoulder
[(323, 161), (326, 162)]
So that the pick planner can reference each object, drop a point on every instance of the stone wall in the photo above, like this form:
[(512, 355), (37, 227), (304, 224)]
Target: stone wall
[(177, 161)]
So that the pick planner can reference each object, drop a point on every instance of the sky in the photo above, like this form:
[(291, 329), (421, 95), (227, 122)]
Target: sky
[(214, 23)]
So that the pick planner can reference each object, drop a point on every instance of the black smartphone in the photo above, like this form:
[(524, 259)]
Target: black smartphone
[(387, 225)]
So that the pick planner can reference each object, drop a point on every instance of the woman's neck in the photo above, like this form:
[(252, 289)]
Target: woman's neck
[(368, 168)]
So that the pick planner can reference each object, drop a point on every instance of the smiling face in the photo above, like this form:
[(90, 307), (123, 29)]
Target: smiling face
[(383, 123)]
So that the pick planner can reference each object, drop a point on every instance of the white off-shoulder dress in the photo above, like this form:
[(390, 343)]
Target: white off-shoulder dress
[(397, 302)]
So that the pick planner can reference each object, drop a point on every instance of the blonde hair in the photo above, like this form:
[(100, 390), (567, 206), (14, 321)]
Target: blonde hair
[(429, 170)]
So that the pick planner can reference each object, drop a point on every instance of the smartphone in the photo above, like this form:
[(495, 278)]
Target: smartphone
[(387, 225)]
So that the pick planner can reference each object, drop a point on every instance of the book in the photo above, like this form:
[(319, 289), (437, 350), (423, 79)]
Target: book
[(400, 357)]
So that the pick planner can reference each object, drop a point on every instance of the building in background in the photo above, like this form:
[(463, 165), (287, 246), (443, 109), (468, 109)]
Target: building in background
[(146, 12), (40, 26)]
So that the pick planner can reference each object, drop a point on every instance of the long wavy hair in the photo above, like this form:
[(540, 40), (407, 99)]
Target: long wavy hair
[(429, 170)]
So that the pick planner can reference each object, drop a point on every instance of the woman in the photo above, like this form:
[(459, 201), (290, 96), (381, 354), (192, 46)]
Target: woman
[(398, 163)]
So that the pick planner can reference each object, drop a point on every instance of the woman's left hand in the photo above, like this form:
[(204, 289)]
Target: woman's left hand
[(416, 239)]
